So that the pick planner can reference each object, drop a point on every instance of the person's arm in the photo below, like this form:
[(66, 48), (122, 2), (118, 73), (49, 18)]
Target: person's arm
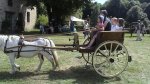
[(100, 28)]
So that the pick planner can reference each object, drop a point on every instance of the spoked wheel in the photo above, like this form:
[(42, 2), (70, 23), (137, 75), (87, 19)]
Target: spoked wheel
[(88, 57), (110, 59)]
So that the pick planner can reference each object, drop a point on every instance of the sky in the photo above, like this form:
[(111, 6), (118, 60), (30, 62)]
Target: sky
[(101, 1)]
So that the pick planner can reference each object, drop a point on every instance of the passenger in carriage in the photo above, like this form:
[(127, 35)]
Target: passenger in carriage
[(115, 25)]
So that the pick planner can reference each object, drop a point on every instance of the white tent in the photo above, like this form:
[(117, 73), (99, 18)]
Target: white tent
[(76, 19)]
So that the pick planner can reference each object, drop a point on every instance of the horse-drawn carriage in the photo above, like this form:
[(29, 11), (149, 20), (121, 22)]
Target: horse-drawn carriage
[(108, 55)]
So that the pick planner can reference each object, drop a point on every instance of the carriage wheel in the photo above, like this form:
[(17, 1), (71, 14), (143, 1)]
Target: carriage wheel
[(110, 59), (87, 56)]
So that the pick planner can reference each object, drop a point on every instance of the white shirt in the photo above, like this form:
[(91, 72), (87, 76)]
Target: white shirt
[(115, 28)]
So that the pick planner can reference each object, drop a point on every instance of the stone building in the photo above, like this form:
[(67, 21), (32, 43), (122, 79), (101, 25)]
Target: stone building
[(19, 16)]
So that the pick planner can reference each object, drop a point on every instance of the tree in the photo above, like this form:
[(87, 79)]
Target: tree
[(57, 10), (135, 13), (146, 22), (133, 3), (41, 9), (116, 8), (94, 13), (147, 11), (142, 1), (144, 5)]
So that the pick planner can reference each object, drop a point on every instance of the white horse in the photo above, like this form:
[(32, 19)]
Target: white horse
[(28, 51)]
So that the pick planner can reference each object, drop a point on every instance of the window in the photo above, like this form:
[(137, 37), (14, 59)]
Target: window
[(28, 16), (10, 2)]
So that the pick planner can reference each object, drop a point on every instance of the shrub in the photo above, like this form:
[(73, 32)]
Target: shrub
[(42, 19)]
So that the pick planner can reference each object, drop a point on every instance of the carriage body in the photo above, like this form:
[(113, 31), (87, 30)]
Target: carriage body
[(107, 54), (104, 36)]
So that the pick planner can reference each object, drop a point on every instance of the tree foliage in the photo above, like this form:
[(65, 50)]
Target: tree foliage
[(41, 9), (132, 3), (135, 13), (42, 19), (94, 13), (142, 1), (58, 9), (116, 8), (147, 11), (131, 10)]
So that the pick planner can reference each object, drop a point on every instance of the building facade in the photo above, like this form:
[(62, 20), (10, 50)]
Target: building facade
[(19, 16)]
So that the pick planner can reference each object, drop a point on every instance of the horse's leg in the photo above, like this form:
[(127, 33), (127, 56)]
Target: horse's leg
[(12, 60), (50, 58), (55, 56), (40, 56)]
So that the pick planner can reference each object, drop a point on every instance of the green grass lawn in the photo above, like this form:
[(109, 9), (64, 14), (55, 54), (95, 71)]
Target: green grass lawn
[(73, 70)]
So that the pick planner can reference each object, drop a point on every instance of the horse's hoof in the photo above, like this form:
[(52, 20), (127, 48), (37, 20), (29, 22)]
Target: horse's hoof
[(17, 67), (56, 69)]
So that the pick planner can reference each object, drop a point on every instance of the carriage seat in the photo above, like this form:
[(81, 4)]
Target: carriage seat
[(110, 36)]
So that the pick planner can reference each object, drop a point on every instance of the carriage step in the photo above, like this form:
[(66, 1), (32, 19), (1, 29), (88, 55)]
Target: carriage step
[(129, 58)]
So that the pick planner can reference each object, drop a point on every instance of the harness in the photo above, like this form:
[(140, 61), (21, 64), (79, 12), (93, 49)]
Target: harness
[(5, 51), (20, 45)]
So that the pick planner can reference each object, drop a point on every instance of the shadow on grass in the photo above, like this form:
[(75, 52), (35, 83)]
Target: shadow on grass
[(17, 75), (81, 75)]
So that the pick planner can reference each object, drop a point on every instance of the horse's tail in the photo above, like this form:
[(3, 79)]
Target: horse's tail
[(54, 53)]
